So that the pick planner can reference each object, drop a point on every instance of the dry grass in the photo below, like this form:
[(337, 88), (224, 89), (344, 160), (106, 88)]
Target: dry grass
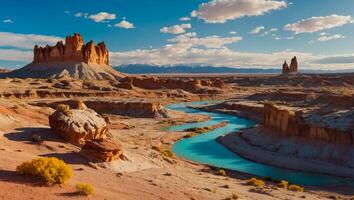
[(296, 188), (255, 182), (84, 189), (165, 152), (283, 184), (221, 172)]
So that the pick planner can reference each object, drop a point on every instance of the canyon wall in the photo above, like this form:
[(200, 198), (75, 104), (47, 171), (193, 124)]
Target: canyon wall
[(74, 50), (290, 123), (145, 109), (159, 83)]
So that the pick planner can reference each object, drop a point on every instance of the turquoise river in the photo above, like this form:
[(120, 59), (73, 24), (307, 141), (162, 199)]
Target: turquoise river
[(204, 149)]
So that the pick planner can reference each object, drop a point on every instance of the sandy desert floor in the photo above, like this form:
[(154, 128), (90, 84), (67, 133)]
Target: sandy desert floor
[(147, 174)]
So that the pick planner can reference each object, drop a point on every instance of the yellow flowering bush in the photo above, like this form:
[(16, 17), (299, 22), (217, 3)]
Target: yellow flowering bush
[(51, 170)]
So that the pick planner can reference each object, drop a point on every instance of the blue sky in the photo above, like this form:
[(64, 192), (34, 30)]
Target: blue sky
[(319, 32)]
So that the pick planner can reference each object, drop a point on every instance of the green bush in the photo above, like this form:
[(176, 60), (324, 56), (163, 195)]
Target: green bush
[(49, 169), (84, 189)]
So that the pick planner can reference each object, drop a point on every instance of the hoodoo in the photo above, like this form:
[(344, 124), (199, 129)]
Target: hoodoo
[(293, 67), (73, 59)]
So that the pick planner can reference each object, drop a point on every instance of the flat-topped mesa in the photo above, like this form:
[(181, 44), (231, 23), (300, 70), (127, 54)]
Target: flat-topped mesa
[(293, 67), (73, 51)]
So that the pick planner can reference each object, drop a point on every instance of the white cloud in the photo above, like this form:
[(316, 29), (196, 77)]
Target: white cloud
[(335, 59), (232, 32), (66, 12), (102, 17), (189, 49), (125, 24), (184, 19), (324, 38), (8, 21), (272, 30), (16, 55), (277, 38), (225, 57), (176, 29), (315, 24), (190, 40), (79, 14), (219, 11), (26, 41), (257, 30)]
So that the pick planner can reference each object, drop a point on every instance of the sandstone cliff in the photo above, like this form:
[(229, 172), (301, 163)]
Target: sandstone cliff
[(72, 59), (290, 123), (74, 50)]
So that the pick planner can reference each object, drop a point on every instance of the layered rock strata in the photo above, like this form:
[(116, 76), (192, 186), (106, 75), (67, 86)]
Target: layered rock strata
[(102, 150), (290, 123), (191, 85), (73, 59), (74, 50), (87, 129), (133, 108), (78, 125)]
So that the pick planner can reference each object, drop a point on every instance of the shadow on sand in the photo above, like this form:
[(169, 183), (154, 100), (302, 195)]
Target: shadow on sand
[(13, 177), (73, 158), (25, 134)]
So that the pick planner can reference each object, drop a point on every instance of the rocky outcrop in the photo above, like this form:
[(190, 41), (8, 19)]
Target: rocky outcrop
[(102, 150), (191, 85), (290, 123), (145, 109), (78, 125), (73, 59), (74, 50), (293, 67), (85, 128)]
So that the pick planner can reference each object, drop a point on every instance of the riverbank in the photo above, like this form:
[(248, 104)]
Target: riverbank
[(237, 143)]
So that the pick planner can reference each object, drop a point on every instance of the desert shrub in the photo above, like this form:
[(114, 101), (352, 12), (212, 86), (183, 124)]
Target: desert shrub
[(165, 152), (296, 188), (234, 196), (283, 184), (84, 189), (221, 172), (255, 182), (51, 170)]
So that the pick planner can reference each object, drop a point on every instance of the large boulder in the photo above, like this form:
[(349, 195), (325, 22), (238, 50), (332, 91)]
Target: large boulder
[(102, 150), (79, 124)]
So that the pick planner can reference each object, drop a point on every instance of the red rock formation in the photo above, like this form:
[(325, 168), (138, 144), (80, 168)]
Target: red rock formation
[(285, 68), (293, 66), (102, 150), (292, 124), (73, 51), (78, 125)]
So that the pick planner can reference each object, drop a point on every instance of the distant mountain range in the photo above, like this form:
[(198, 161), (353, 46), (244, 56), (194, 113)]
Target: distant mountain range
[(154, 69)]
